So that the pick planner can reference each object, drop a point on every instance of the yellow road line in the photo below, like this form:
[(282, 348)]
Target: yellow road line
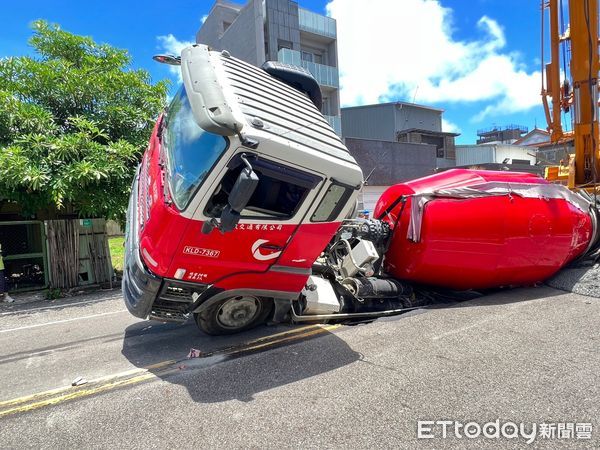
[(106, 378), (158, 365), (77, 394), (318, 330), (135, 376)]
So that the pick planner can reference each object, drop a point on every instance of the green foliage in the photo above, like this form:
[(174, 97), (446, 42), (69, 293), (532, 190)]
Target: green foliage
[(116, 246), (53, 293), (74, 121)]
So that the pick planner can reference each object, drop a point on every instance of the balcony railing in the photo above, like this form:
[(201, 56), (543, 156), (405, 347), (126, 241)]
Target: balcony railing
[(325, 75), (316, 23)]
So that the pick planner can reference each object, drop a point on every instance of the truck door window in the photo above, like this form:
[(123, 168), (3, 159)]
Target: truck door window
[(191, 151), (332, 203), (278, 195)]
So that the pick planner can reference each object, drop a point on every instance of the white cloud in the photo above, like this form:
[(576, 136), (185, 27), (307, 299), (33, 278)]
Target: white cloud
[(203, 18), (408, 46), (170, 45), (450, 127)]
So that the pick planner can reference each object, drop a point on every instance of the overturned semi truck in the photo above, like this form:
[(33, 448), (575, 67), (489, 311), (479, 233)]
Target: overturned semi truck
[(242, 212)]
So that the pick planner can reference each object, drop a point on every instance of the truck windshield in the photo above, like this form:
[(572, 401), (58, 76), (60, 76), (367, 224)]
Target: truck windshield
[(191, 151)]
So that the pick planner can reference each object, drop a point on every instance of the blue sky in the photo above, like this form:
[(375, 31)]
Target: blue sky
[(478, 59)]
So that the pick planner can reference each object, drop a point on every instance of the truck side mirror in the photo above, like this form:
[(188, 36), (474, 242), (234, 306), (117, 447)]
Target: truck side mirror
[(240, 195), (242, 190), (238, 199)]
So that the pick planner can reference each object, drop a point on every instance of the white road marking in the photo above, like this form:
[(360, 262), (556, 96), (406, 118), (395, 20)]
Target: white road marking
[(467, 327), (23, 311), (27, 327)]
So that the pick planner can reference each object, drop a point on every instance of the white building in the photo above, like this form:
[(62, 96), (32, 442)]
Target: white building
[(468, 155)]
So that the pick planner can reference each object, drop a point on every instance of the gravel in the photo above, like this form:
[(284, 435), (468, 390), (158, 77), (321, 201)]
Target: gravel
[(581, 279)]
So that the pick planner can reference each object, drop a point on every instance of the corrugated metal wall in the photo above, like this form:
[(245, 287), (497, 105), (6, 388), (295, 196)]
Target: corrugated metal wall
[(384, 120), (515, 152), (408, 117), (369, 122), (475, 154), (495, 153)]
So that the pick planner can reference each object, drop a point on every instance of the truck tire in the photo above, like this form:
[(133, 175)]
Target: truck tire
[(234, 314)]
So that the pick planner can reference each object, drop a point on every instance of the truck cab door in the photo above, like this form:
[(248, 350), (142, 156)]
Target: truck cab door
[(267, 223)]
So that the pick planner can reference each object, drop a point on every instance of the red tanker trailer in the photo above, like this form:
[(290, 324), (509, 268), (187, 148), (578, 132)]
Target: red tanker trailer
[(242, 211), (467, 229)]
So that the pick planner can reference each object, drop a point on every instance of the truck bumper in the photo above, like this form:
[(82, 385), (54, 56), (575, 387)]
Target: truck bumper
[(147, 295), (140, 287)]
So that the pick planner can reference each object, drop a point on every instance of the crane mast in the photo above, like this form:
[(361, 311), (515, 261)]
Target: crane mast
[(579, 45)]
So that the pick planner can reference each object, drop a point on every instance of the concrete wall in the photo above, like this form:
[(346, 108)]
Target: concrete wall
[(213, 27), (444, 163), (281, 25), (244, 38), (393, 162)]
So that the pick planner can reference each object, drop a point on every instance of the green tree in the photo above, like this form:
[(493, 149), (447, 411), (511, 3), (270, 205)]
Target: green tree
[(74, 121)]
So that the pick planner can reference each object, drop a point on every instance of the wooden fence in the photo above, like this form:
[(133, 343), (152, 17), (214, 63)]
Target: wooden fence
[(63, 252)]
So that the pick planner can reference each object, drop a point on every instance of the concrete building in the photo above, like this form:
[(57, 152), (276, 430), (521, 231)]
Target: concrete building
[(400, 122), (501, 135), (534, 138), (468, 155), (550, 153), (279, 30), (395, 142), (387, 163)]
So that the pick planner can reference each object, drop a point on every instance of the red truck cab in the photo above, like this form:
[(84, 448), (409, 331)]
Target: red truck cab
[(233, 130)]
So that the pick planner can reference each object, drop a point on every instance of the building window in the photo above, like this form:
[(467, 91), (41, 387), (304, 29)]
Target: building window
[(226, 25), (312, 56), (283, 44), (325, 107)]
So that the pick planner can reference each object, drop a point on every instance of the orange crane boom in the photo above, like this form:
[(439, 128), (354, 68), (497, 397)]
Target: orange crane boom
[(581, 38)]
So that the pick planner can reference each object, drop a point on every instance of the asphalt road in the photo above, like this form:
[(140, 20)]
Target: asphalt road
[(524, 356)]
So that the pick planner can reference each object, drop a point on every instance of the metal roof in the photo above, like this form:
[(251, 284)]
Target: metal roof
[(413, 105), (285, 111)]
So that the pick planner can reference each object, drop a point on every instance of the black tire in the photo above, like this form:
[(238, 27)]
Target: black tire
[(212, 320)]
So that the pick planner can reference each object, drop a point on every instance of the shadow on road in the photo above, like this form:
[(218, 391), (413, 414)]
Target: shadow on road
[(228, 373), (235, 370)]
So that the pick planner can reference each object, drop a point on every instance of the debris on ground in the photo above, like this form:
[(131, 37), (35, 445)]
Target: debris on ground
[(194, 353), (78, 381)]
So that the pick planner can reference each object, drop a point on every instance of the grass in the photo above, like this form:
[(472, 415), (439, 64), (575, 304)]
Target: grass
[(117, 252)]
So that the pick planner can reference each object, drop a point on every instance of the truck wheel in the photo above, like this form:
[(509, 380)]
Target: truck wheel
[(234, 314)]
